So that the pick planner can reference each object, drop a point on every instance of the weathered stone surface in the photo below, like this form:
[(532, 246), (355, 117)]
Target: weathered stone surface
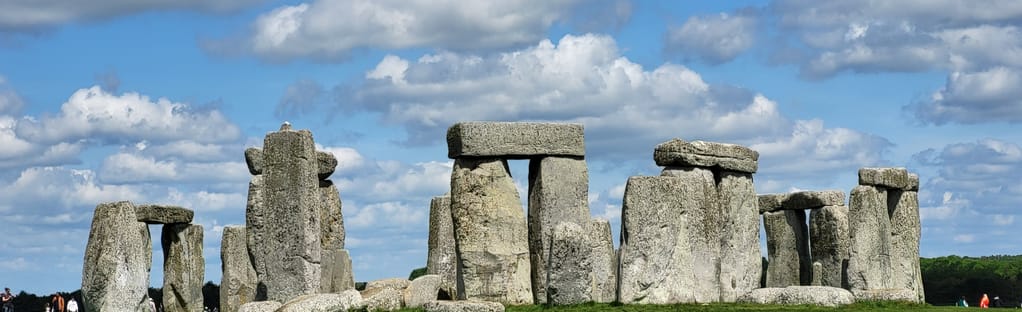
[(238, 280), (869, 260), (254, 160), (905, 235), (890, 294), (337, 271), (677, 152), (913, 182), (801, 200), (580, 264), (395, 283), (163, 214), (382, 299), (491, 233), (343, 301), (740, 255), (817, 274), (670, 238), (335, 264), (558, 192), (118, 257), (896, 178), (829, 239), (463, 306), (604, 259), (799, 295), (183, 267), (325, 163), (442, 259), (284, 222), (787, 248), (256, 215), (259, 306), (421, 290), (514, 139)]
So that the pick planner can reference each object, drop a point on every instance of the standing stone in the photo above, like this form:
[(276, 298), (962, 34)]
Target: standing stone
[(118, 257), (787, 248), (817, 274), (183, 267), (490, 232), (256, 217), (442, 259), (668, 254), (580, 264), (558, 192), (334, 259), (740, 258), (238, 282), (604, 259), (905, 234), (869, 260), (285, 242), (828, 235)]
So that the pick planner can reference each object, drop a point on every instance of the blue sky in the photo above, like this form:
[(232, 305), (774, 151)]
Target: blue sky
[(156, 100)]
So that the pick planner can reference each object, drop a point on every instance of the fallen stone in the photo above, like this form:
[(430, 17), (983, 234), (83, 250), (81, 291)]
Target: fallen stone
[(382, 299), (890, 294), (670, 242), (829, 239), (326, 163), (393, 283), (869, 263), (258, 306), (905, 235), (183, 267), (896, 178), (800, 295), (118, 257), (442, 259), (679, 153), (558, 192), (740, 257), (462, 306), (801, 200), (514, 139), (254, 160), (491, 233), (343, 301), (163, 214), (787, 249), (238, 280), (421, 290)]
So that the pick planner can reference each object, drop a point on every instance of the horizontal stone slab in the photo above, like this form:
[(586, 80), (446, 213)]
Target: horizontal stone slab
[(163, 214), (677, 152), (801, 200), (800, 295), (896, 178), (514, 139), (913, 182), (326, 163)]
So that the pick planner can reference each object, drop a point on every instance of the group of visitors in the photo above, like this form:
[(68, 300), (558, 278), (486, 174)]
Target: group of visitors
[(984, 302), (57, 304)]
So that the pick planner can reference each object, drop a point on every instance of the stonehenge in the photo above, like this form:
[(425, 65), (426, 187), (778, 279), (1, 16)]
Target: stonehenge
[(790, 255)]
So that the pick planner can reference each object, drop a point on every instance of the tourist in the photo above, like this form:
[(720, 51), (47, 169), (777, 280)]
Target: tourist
[(72, 305), (57, 303), (984, 302), (997, 302), (962, 303), (8, 300), (46, 307)]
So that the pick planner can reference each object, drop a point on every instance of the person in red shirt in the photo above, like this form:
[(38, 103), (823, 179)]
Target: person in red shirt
[(57, 303), (984, 302)]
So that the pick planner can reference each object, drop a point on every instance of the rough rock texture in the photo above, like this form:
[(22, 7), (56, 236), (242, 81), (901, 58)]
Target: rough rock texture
[(382, 299), (828, 236), (581, 266), (740, 256), (238, 280), (442, 258), (890, 294), (256, 215), (163, 214), (677, 152), (337, 271), (817, 274), (284, 224), (558, 192), (670, 242), (259, 306), (896, 178), (869, 262), (801, 200), (325, 163), (335, 263), (913, 182), (799, 295), (343, 301), (254, 160), (905, 235), (395, 283), (183, 267), (514, 139), (118, 256), (462, 306), (491, 233), (604, 259), (421, 290), (787, 248)]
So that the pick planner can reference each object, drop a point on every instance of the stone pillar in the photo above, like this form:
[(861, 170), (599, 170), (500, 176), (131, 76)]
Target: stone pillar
[(787, 248), (580, 263), (442, 260), (490, 232), (905, 234), (334, 259), (828, 236), (238, 280), (558, 192), (183, 267), (869, 260), (740, 255), (118, 257), (604, 259)]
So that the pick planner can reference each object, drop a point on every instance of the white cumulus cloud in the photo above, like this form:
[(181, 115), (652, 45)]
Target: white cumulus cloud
[(713, 38)]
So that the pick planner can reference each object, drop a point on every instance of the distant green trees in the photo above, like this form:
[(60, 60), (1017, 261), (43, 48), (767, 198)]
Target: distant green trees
[(947, 279)]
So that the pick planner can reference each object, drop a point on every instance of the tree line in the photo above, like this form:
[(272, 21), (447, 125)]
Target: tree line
[(947, 279)]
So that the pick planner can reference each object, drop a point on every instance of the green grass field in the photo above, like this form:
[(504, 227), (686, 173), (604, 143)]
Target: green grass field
[(879, 306)]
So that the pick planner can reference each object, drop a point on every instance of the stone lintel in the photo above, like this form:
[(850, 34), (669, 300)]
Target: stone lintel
[(514, 139), (801, 200)]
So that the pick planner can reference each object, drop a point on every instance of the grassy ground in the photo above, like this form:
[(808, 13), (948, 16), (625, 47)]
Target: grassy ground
[(881, 306)]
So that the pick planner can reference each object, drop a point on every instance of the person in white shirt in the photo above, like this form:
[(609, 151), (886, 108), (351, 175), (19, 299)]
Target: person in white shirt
[(72, 305)]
